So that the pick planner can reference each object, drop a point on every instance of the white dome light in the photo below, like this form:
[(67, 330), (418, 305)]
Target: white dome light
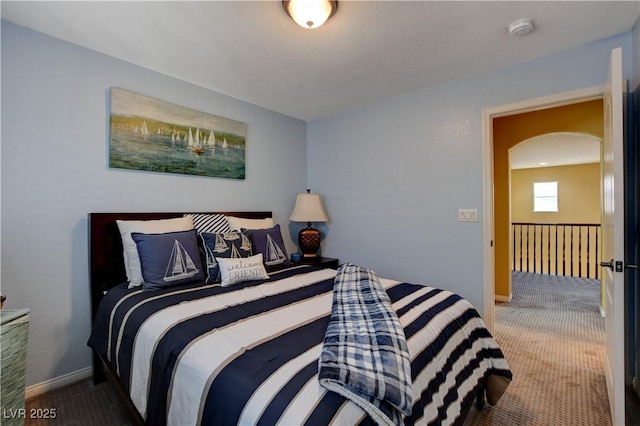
[(310, 13)]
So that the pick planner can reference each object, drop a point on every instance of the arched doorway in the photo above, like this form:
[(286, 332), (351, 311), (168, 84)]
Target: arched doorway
[(509, 131), (555, 193)]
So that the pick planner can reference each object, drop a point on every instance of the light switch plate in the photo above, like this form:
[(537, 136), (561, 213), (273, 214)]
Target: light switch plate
[(467, 215)]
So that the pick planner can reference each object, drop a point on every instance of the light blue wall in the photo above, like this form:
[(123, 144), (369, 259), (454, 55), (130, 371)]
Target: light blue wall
[(54, 171), (393, 174)]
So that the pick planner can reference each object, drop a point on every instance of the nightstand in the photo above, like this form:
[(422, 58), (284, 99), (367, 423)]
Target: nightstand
[(14, 335), (325, 262)]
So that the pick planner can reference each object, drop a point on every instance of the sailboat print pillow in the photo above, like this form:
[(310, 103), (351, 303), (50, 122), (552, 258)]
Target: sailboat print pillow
[(232, 244), (169, 259), (269, 242), (130, 251)]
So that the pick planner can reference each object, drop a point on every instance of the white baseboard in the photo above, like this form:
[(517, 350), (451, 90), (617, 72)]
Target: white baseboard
[(506, 299), (57, 382)]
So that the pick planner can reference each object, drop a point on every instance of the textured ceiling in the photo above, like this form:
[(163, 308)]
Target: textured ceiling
[(368, 51)]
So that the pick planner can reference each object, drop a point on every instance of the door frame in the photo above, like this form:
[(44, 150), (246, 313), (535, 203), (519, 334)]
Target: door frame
[(488, 225)]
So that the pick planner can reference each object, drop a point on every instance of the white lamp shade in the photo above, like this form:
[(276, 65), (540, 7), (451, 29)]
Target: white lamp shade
[(308, 208), (309, 13)]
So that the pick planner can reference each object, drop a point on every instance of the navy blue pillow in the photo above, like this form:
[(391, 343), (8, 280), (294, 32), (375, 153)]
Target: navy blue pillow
[(269, 242), (232, 244), (169, 259)]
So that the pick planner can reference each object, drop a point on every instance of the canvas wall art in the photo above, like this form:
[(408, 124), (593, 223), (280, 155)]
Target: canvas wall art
[(153, 135)]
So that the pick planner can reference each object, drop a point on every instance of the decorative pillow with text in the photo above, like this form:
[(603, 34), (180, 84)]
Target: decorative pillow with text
[(234, 271)]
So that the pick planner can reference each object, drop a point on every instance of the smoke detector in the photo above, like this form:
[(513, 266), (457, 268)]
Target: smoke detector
[(520, 27)]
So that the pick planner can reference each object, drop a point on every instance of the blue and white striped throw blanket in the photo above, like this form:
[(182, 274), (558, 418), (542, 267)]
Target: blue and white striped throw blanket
[(365, 356)]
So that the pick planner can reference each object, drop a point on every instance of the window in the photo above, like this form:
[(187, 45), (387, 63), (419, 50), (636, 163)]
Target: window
[(545, 196)]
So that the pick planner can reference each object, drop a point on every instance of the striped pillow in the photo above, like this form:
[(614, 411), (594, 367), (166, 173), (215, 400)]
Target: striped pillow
[(214, 223)]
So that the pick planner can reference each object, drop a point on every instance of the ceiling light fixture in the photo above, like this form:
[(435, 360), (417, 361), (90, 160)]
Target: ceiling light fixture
[(520, 27), (310, 13)]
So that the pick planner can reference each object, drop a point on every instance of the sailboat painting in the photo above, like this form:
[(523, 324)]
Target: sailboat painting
[(153, 135)]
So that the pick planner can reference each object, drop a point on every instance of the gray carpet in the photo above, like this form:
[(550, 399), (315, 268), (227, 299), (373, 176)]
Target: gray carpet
[(551, 333), (79, 404)]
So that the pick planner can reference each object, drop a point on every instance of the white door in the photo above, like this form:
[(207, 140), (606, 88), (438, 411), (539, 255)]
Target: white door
[(613, 237)]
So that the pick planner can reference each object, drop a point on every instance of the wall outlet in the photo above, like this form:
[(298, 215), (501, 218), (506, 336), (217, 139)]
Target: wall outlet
[(467, 215)]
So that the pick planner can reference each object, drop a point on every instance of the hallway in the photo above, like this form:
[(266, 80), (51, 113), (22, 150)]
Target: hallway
[(552, 335)]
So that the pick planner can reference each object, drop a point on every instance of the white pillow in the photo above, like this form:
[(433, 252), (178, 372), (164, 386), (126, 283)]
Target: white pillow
[(130, 250), (237, 270), (237, 223)]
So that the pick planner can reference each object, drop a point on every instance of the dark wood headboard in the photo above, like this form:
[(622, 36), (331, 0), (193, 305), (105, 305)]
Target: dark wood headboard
[(106, 264)]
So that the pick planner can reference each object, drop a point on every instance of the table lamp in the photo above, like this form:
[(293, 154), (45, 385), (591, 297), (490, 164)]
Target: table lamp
[(308, 209)]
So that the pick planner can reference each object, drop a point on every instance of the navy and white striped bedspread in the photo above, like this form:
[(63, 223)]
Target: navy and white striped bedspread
[(365, 355), (248, 353)]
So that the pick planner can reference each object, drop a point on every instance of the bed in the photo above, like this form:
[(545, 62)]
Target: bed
[(248, 352)]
